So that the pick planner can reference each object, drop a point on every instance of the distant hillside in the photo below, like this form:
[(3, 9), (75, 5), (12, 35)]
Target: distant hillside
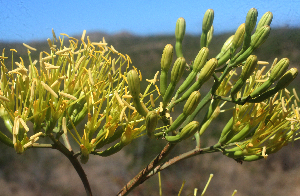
[(43, 171)]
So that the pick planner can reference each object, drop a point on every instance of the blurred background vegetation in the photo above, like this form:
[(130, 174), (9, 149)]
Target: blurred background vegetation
[(47, 172)]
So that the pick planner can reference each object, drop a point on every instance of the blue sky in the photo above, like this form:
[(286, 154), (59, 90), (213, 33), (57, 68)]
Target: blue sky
[(33, 20)]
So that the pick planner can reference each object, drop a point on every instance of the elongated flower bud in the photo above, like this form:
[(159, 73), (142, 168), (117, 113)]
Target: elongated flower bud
[(210, 35), (266, 19), (180, 29), (226, 46), (207, 70), (166, 61), (133, 83), (151, 123), (189, 130), (206, 25), (200, 59), (260, 37), (199, 62), (167, 57), (207, 20), (251, 19), (279, 69), (179, 34), (238, 37), (287, 78), (177, 70), (249, 67), (191, 103)]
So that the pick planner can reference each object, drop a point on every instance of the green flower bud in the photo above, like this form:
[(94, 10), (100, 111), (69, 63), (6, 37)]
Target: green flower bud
[(287, 78), (252, 158), (151, 123), (251, 19), (205, 73), (226, 46), (189, 130), (260, 36), (191, 103), (249, 67), (210, 35), (133, 83), (207, 70), (166, 61), (180, 29), (283, 82), (206, 25), (200, 59), (279, 69), (207, 20), (224, 54), (167, 57), (177, 70), (266, 19), (199, 62), (238, 37)]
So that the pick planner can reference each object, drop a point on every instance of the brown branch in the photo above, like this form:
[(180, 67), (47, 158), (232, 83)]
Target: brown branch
[(71, 156), (181, 157), (142, 175)]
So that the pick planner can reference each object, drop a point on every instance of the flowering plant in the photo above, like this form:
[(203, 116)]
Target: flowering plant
[(95, 84)]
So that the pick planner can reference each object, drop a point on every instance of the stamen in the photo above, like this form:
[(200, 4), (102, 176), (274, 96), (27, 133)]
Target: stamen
[(16, 126), (36, 135), (49, 42), (99, 44), (79, 62), (49, 57), (126, 96), (262, 62), (63, 51), (145, 108), (83, 35), (64, 125), (57, 81), (295, 94), (152, 101), (263, 153), (91, 77), (49, 89), (4, 98), (29, 144), (113, 49), (53, 33), (113, 66), (67, 96), (24, 124), (119, 99), (122, 113), (29, 47), (283, 105), (127, 104)]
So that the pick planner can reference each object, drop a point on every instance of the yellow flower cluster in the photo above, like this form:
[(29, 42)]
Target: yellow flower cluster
[(65, 86)]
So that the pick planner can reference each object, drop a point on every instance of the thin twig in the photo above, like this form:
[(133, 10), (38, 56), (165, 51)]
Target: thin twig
[(142, 175), (71, 156), (181, 157)]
